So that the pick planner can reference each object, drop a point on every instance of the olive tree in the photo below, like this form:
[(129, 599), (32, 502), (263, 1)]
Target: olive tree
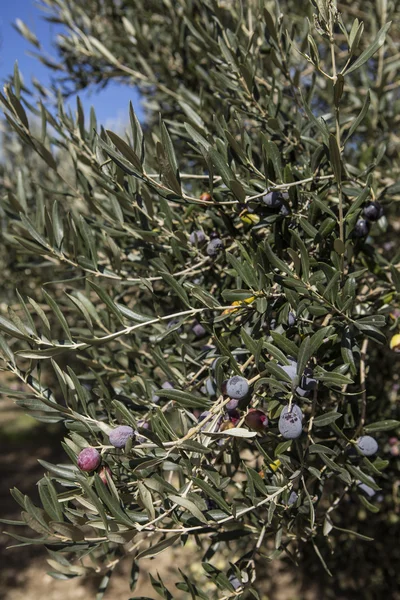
[(207, 300)]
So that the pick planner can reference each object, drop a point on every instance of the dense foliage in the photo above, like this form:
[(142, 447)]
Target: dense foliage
[(222, 281)]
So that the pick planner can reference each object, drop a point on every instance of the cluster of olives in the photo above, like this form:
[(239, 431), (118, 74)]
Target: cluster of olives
[(214, 246), (372, 212), (307, 381), (89, 458), (276, 200), (236, 388)]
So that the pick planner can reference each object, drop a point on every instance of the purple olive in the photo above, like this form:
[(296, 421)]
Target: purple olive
[(210, 387), (373, 211), (197, 237), (120, 435), (308, 383), (367, 445), (256, 419), (103, 474), (290, 422), (290, 370), (199, 330), (366, 488), (235, 583), (232, 405), (88, 459), (274, 199), (361, 228), (214, 247), (237, 387)]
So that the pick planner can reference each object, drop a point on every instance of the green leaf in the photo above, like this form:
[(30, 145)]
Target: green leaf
[(159, 547), (320, 449), (303, 356), (177, 287), (103, 295), (243, 270), (346, 349), (359, 474), (276, 262), (124, 164), (112, 504), (372, 320), (359, 201), (326, 419), (9, 327), (212, 494), (368, 505), (316, 122), (276, 353), (49, 499), (331, 290), (59, 315), (360, 117), (6, 351), (26, 33), (318, 338), (386, 425), (190, 506), (274, 156), (334, 154), (331, 377), (125, 150), (284, 344), (370, 51), (183, 398), (270, 24), (305, 262)]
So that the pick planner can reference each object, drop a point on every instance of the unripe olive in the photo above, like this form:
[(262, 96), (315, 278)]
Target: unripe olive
[(206, 197), (226, 425)]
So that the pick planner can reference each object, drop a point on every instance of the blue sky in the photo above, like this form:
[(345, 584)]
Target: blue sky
[(111, 104)]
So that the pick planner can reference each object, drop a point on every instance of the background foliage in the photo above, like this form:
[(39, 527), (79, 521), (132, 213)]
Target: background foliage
[(241, 98)]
